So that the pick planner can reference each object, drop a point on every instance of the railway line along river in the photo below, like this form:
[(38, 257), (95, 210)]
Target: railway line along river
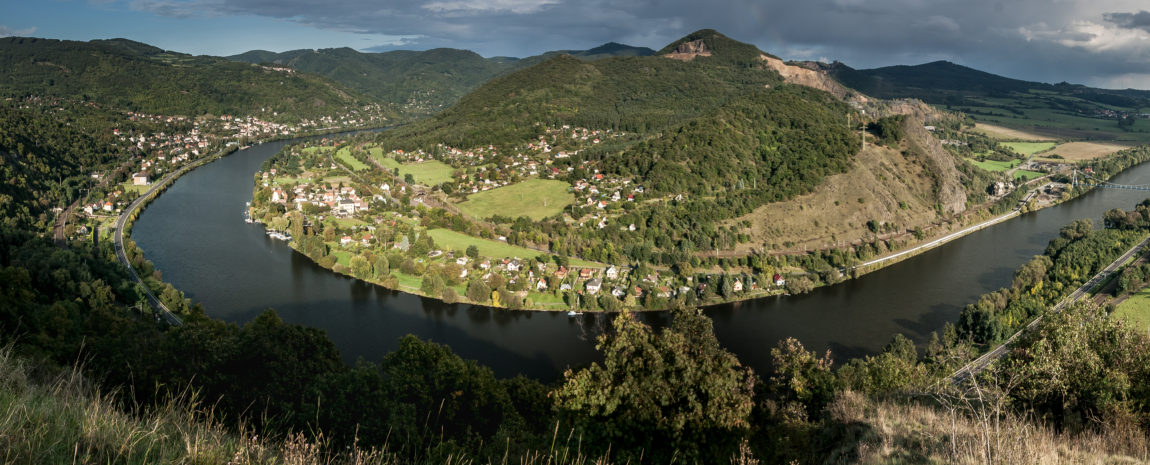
[(195, 233)]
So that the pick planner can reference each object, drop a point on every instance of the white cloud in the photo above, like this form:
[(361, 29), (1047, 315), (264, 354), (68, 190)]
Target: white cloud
[(6, 31)]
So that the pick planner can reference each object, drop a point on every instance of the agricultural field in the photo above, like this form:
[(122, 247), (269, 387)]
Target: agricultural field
[(1004, 133), (428, 173), (447, 239), (344, 156), (1039, 115), (1028, 148), (1136, 310), (534, 198), (996, 166), (1078, 151)]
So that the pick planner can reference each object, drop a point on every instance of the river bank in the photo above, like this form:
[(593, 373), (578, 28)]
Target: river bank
[(122, 225), (195, 235)]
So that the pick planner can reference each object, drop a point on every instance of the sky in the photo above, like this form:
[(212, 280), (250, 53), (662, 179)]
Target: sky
[(1103, 43)]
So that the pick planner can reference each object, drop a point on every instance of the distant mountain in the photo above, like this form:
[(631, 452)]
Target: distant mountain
[(417, 82), (943, 82), (137, 76)]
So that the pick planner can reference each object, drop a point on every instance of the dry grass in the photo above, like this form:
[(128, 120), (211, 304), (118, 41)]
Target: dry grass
[(927, 432), (1077, 151), (883, 186), (1003, 133)]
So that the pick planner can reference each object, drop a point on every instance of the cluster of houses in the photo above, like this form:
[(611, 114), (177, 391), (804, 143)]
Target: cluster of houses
[(187, 139), (342, 201)]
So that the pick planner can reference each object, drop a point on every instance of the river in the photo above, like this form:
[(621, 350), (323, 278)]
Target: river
[(195, 234)]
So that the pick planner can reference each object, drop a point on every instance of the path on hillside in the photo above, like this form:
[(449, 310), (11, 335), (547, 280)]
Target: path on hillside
[(979, 364), (952, 236)]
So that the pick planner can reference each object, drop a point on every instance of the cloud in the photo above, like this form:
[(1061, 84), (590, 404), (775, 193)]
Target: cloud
[(1029, 39), (1139, 20), (6, 31)]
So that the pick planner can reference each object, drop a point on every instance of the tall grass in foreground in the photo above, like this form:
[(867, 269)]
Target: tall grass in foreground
[(64, 419), (908, 431)]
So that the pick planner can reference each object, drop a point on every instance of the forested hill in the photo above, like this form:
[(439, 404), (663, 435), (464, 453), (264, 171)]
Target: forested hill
[(943, 82), (705, 121), (140, 77), (417, 82), (633, 94)]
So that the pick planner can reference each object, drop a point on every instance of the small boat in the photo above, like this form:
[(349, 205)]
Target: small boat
[(573, 313)]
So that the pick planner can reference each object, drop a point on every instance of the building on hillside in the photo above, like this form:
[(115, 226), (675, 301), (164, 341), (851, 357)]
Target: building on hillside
[(140, 179)]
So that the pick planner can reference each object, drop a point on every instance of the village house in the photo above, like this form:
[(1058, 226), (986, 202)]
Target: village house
[(594, 285), (586, 273), (345, 240), (737, 286), (140, 179), (612, 272), (779, 281)]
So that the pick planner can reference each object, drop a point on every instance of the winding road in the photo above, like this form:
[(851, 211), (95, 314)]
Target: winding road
[(118, 237)]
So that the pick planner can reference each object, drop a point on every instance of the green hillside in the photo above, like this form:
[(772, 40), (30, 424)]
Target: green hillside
[(719, 132), (634, 94), (140, 77)]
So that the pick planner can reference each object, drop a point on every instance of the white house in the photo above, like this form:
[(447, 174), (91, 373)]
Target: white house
[(594, 285)]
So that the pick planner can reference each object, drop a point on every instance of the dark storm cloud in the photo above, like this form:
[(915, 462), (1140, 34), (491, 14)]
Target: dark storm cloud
[(1073, 40), (1139, 20)]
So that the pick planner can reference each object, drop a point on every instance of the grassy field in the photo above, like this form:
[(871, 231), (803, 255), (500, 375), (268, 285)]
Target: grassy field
[(347, 222), (448, 239), (428, 173), (344, 156), (129, 187), (534, 198), (1136, 310), (996, 166), (1028, 148), (1027, 175), (1077, 151), (334, 180), (1002, 133), (341, 257)]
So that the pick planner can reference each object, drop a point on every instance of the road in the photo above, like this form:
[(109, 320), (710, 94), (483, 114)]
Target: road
[(118, 238), (982, 362)]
